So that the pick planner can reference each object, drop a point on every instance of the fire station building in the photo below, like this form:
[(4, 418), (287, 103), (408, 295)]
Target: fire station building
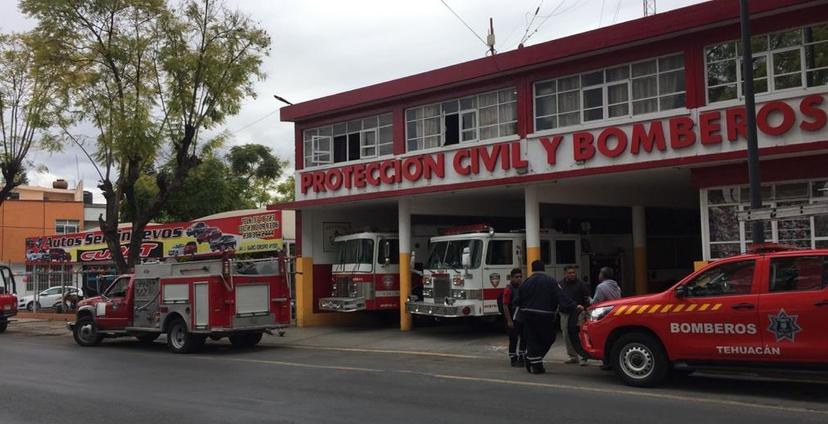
[(632, 137)]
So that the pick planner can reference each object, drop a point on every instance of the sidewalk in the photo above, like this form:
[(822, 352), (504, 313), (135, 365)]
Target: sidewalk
[(444, 340)]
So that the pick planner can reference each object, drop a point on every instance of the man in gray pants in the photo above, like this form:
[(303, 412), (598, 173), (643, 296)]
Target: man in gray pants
[(607, 289)]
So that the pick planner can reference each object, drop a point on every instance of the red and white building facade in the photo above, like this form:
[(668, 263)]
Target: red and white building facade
[(628, 135)]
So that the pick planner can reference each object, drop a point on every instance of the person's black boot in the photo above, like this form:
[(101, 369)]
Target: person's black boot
[(537, 369), (515, 361)]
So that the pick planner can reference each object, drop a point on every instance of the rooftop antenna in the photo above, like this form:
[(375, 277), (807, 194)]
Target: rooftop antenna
[(490, 39), (649, 7)]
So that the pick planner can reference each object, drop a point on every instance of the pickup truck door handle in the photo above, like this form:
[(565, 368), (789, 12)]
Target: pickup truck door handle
[(822, 303), (743, 306)]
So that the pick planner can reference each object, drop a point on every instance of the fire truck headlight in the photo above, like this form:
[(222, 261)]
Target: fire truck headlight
[(428, 293), (598, 313), (458, 280), (426, 280), (458, 294)]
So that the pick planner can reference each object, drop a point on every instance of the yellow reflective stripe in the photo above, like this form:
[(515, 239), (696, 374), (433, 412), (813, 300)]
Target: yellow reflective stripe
[(631, 309), (679, 307), (716, 307), (620, 310), (691, 308), (666, 308), (654, 309), (704, 307), (643, 309)]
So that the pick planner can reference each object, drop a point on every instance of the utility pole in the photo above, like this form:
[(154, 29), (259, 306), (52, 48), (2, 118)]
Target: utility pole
[(754, 177), (649, 7)]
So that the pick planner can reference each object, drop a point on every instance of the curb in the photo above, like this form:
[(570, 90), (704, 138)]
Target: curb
[(48, 316)]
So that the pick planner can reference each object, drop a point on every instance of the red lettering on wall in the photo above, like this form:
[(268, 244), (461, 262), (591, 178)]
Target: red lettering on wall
[(306, 182), (318, 182), (681, 132), (551, 147), (347, 172), (604, 143), (517, 157), (646, 140), (416, 173), (384, 167), (709, 128), (489, 158), (370, 176), (397, 171), (809, 107), (736, 119), (333, 180), (460, 167), (505, 160), (434, 165), (582, 145), (771, 108)]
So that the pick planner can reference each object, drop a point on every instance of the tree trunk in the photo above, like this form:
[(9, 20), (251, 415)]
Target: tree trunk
[(109, 227)]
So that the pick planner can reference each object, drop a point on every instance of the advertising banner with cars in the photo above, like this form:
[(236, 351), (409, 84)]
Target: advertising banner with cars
[(250, 233)]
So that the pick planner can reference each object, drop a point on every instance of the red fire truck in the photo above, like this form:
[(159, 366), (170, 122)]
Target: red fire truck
[(366, 276), (767, 308), (189, 301), (8, 299)]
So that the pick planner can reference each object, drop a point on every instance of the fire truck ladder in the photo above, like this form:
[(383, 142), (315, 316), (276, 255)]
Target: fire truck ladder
[(785, 212)]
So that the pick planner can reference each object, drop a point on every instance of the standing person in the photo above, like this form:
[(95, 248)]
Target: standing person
[(538, 303), (517, 340), (579, 293), (608, 288)]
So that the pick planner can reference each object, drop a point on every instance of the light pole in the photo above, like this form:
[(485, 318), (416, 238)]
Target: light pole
[(754, 176), (282, 99)]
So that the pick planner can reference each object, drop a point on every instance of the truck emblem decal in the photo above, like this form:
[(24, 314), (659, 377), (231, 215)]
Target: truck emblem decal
[(784, 326), (494, 279)]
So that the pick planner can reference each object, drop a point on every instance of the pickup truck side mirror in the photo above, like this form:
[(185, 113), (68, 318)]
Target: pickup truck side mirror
[(681, 291), (386, 252), (465, 259)]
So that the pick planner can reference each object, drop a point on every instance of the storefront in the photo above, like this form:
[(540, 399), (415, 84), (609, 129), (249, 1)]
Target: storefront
[(631, 137)]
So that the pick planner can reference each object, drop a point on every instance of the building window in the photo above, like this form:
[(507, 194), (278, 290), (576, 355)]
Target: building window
[(727, 236), (794, 58), (479, 117), (348, 141), (66, 226), (622, 91)]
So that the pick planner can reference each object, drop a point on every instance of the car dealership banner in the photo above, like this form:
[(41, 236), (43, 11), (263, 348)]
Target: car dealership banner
[(668, 139), (251, 233)]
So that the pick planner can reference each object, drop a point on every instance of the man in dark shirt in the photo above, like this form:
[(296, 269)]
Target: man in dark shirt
[(578, 291), (538, 303), (517, 354)]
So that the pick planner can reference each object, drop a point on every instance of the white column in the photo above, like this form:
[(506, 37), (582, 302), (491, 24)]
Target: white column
[(532, 211), (404, 228)]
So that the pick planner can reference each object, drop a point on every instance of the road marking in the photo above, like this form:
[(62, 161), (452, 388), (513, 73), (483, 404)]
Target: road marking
[(287, 364), (661, 396), (394, 352)]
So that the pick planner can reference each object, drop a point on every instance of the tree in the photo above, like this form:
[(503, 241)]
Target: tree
[(286, 190), (257, 170), (30, 104), (150, 77)]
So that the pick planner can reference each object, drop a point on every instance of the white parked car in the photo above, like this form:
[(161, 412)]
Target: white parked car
[(47, 298)]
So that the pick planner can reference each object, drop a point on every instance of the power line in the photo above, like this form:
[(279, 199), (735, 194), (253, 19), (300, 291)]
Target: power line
[(464, 22), (253, 123), (557, 11), (529, 26)]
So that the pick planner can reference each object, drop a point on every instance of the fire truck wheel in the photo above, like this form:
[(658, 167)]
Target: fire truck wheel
[(85, 332), (147, 338), (179, 339), (639, 359), (246, 340), (3, 325)]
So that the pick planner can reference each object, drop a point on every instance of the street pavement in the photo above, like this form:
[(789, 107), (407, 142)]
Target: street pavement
[(446, 374)]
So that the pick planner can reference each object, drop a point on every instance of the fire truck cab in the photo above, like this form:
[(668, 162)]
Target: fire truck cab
[(189, 301), (469, 267), (8, 299), (366, 276)]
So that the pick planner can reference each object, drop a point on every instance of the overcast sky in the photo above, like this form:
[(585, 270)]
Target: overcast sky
[(327, 46)]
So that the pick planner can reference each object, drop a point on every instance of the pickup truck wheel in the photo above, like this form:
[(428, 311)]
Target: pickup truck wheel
[(3, 325), (179, 339), (639, 360), (85, 332), (147, 338)]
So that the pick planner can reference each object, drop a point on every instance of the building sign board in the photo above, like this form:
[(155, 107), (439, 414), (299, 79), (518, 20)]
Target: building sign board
[(694, 133)]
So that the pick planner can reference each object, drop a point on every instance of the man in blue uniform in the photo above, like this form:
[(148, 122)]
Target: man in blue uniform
[(538, 301)]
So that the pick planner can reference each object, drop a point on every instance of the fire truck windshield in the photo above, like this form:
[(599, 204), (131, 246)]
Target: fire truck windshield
[(449, 254), (356, 251)]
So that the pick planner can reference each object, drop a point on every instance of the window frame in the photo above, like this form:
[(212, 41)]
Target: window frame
[(313, 156), (771, 273), (753, 279), (67, 223)]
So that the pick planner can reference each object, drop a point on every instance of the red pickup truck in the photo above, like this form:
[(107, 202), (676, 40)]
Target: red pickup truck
[(8, 299), (768, 308)]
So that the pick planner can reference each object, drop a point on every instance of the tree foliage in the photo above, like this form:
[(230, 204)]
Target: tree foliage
[(150, 77), (256, 170), (30, 106), (286, 190)]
